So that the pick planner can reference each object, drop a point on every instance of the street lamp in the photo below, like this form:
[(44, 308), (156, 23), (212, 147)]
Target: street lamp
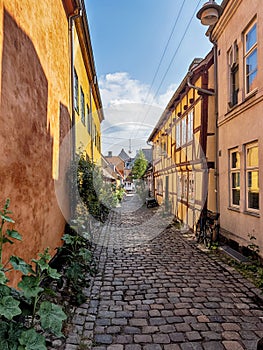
[(209, 13)]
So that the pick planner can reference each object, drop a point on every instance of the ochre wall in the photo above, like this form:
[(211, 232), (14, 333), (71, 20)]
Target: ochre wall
[(83, 138), (34, 112), (241, 124)]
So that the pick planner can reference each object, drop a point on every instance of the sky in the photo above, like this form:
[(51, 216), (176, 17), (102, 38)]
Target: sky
[(142, 50)]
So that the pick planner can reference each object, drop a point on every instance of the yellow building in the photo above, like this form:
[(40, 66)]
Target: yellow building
[(36, 111), (87, 107), (184, 146)]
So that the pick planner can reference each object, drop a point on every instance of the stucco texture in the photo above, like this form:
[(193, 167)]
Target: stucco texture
[(35, 117)]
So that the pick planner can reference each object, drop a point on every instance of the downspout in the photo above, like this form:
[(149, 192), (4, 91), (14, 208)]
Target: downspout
[(216, 126), (203, 91), (77, 13)]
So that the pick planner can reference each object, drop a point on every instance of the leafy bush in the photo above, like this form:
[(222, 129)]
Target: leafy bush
[(27, 302)]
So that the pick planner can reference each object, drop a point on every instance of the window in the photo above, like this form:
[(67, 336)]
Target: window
[(82, 103), (234, 179), (252, 183), (76, 91), (190, 126), (233, 75), (251, 59), (88, 119), (178, 134), (191, 187), (184, 126)]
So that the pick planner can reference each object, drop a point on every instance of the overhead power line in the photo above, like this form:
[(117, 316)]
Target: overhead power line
[(164, 51), (170, 64)]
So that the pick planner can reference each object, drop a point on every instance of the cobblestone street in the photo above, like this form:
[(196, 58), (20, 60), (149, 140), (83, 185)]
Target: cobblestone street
[(156, 290)]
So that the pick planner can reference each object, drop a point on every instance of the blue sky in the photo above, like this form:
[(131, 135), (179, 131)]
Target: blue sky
[(129, 39)]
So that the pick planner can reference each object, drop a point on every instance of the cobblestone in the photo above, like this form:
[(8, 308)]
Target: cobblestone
[(157, 291)]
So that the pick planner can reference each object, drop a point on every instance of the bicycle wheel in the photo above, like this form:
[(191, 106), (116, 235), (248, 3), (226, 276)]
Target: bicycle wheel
[(208, 238)]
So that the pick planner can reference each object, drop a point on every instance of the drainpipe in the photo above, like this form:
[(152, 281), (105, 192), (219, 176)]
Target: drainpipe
[(204, 91), (77, 13), (216, 125)]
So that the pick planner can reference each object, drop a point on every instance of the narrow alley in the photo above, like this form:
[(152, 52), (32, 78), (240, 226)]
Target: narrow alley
[(163, 293)]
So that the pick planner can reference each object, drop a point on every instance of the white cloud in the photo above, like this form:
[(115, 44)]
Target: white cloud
[(120, 88), (130, 110)]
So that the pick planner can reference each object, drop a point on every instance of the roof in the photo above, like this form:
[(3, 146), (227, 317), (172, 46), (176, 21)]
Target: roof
[(124, 156), (72, 7), (148, 153)]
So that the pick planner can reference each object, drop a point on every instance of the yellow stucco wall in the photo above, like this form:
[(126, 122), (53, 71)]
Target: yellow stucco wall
[(85, 140), (35, 115)]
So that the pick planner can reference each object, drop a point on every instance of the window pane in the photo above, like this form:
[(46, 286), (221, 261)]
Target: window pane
[(235, 180), (251, 62), (178, 135), (251, 84), (235, 160), (252, 156), (190, 127), (253, 190), (183, 131), (251, 37), (236, 197)]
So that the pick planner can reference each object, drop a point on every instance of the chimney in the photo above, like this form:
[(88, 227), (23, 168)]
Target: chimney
[(109, 153)]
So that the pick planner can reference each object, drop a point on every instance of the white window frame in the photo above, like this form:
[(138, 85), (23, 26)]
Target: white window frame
[(248, 53), (184, 131), (254, 168), (178, 134), (233, 170), (190, 126), (233, 75)]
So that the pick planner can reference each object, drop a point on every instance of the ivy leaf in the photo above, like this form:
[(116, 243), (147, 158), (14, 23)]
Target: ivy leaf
[(51, 317), (85, 254), (20, 265), (30, 286), (68, 239), (4, 291), (31, 340), (9, 334), (14, 234), (41, 263), (7, 218), (3, 278), (53, 273), (9, 307)]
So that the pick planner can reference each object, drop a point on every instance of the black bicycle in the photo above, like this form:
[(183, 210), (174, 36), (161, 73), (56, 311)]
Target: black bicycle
[(207, 228)]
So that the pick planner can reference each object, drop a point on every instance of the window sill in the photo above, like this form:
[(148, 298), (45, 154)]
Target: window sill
[(252, 213), (234, 209), (231, 109)]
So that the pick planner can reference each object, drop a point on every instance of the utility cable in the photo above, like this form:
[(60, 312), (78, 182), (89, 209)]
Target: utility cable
[(164, 51), (170, 64)]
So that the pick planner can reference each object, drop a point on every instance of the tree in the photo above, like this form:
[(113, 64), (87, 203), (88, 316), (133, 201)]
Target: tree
[(140, 165)]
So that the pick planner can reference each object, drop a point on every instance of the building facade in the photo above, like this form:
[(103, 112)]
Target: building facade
[(87, 106), (36, 114), (184, 146), (238, 35)]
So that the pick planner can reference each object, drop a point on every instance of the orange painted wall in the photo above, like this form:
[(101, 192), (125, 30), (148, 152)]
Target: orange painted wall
[(34, 114)]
